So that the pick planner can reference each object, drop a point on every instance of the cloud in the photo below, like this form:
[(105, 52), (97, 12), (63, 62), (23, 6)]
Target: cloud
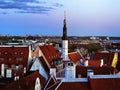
[(27, 6), (58, 5)]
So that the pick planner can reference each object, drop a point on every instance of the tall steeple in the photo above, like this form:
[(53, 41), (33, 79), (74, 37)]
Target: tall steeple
[(64, 37), (65, 41), (69, 66)]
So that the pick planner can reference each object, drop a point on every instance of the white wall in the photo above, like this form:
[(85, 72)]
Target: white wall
[(38, 66), (65, 49)]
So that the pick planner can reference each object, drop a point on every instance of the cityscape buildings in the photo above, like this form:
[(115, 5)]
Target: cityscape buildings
[(32, 65)]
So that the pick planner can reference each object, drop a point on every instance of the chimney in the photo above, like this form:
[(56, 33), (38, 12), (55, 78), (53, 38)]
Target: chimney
[(8, 73), (24, 70), (86, 63), (90, 72), (70, 70), (16, 78), (102, 63), (53, 71), (3, 70)]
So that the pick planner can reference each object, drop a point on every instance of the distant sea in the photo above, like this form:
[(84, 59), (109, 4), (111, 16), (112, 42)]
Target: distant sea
[(113, 41)]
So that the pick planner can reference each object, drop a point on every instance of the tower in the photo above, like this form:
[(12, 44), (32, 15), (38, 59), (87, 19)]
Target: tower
[(64, 41), (69, 66)]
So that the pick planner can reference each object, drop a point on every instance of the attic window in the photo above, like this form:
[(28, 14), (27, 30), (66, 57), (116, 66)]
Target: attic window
[(13, 66), (70, 64), (19, 59), (15, 53), (21, 66), (1, 59), (21, 53), (10, 59), (6, 52)]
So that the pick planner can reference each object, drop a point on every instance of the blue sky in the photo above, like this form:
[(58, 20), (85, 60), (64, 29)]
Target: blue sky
[(45, 17)]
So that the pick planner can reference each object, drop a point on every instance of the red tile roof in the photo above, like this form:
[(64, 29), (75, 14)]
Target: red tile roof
[(26, 83), (50, 82), (74, 86), (74, 57), (104, 56), (14, 55), (94, 63), (81, 70), (105, 84), (50, 52), (108, 58)]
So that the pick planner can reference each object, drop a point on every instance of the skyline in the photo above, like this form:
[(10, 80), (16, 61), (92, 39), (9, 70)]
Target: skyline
[(45, 17)]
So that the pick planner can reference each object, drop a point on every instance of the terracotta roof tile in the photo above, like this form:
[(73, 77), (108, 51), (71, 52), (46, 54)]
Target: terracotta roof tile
[(26, 83), (74, 86), (50, 82), (50, 52), (14, 55), (108, 58), (74, 57), (105, 84), (81, 70), (104, 56), (94, 63)]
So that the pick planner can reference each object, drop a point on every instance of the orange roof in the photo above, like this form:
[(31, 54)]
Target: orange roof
[(50, 52), (74, 57), (95, 63)]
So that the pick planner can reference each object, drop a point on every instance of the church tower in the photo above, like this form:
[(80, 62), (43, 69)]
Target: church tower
[(64, 41), (69, 66)]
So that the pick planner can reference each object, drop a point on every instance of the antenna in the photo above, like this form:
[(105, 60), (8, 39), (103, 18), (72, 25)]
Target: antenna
[(64, 14)]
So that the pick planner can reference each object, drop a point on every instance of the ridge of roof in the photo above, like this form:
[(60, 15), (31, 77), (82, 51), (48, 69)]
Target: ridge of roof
[(104, 76), (73, 52), (75, 80)]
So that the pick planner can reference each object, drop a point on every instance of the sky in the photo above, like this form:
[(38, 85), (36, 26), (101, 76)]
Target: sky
[(45, 17)]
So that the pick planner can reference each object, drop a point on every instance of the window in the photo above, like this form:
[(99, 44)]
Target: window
[(10, 59), (70, 64), (19, 59), (1, 59), (13, 66), (37, 84), (21, 52), (21, 66), (15, 52), (6, 52)]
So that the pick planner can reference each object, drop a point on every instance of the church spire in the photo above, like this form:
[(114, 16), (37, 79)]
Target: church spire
[(64, 37)]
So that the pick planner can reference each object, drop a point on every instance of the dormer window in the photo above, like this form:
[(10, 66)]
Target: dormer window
[(10, 59), (19, 59), (21, 53), (70, 64), (6, 52), (15, 52), (49, 57), (1, 59)]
